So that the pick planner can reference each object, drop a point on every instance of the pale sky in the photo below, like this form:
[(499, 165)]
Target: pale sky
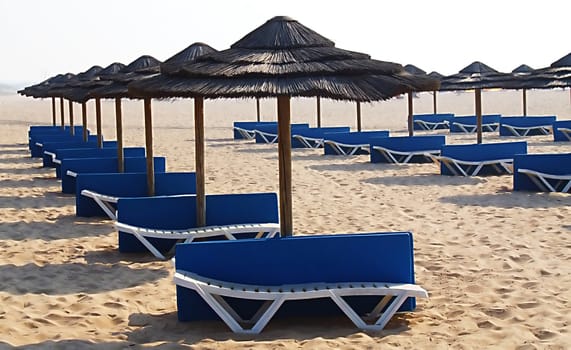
[(41, 38)]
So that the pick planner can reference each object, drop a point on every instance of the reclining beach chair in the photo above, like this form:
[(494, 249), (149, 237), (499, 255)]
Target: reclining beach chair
[(313, 137), (269, 133), (562, 130), (405, 149), (469, 124), (157, 223), (368, 277), (432, 121), (350, 143), (478, 159), (526, 126), (543, 172), (245, 130)]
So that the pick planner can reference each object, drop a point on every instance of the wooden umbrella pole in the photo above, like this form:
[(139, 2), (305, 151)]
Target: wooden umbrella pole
[(199, 159), (62, 113), (54, 122), (524, 93), (119, 127), (258, 109), (434, 101), (410, 113), (358, 116), (318, 111), (84, 120), (149, 147), (479, 113), (71, 117), (284, 157), (98, 122)]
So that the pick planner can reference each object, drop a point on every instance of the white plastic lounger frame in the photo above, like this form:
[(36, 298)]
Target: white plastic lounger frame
[(309, 142), (566, 132), (50, 154), (338, 147), (562, 183), (189, 235), (267, 137), (71, 173), (105, 202), (39, 144), (468, 168), (247, 134), (213, 291), (431, 125), (400, 157), (525, 130), (470, 128)]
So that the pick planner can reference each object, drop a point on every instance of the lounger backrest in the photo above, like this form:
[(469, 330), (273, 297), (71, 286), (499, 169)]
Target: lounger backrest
[(248, 126), (557, 134), (49, 129), (528, 121), (98, 152), (409, 143), (314, 133), (355, 137), (432, 118), (547, 163), (484, 151), (335, 258), (472, 120)]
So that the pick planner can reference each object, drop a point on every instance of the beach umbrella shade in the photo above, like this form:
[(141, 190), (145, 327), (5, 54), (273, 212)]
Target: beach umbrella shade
[(520, 70), (477, 76), (282, 58), (412, 69)]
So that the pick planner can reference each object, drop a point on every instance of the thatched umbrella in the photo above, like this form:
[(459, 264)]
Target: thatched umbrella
[(435, 75), (476, 76), (412, 69), (520, 70), (282, 58)]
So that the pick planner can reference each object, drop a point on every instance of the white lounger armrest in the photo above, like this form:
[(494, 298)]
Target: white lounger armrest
[(104, 201), (71, 173), (566, 132), (562, 184), (525, 130), (267, 137), (39, 144), (188, 235), (212, 291), (247, 134), (309, 142)]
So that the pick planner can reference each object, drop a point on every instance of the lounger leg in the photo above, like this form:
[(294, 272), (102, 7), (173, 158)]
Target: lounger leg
[(538, 183), (148, 244), (106, 207), (567, 187)]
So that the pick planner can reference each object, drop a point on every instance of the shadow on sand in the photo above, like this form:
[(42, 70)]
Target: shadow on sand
[(510, 199)]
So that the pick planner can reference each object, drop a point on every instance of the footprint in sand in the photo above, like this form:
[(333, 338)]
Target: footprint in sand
[(499, 312), (543, 334), (528, 305), (488, 325)]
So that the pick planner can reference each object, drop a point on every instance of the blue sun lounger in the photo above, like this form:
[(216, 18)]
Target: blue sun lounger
[(526, 126), (432, 121), (97, 194), (157, 223), (478, 159), (70, 168), (469, 124), (313, 137), (368, 277), (50, 149), (542, 172), (39, 132), (269, 133), (38, 143), (405, 149), (562, 130), (350, 143), (245, 130)]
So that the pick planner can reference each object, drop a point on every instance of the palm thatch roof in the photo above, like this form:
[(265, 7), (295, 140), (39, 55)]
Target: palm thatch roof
[(174, 63), (436, 75), (557, 75), (477, 75), (45, 88), (564, 61), (284, 57), (522, 69), (412, 69)]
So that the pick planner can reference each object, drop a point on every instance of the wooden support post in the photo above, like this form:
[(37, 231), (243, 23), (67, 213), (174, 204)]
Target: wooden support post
[(479, 114), (149, 147), (98, 122), (54, 122), (72, 131), (524, 93), (434, 101), (119, 128), (318, 111), (284, 157), (258, 118), (358, 116), (62, 113), (84, 120), (410, 114), (199, 158)]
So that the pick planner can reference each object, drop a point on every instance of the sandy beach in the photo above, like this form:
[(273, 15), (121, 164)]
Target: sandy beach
[(496, 263)]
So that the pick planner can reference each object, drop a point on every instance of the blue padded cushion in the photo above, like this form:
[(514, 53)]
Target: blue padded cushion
[(524, 122), (554, 163), (482, 152), (380, 257), (405, 144)]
